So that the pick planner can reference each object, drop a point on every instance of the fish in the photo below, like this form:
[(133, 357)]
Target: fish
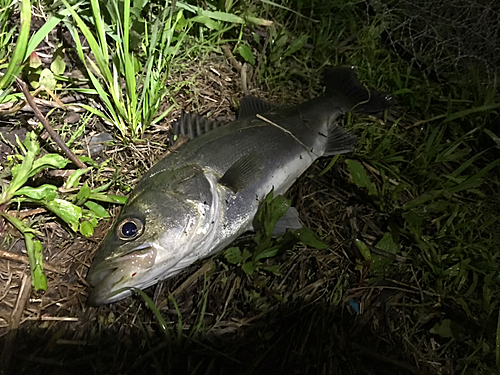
[(197, 200)]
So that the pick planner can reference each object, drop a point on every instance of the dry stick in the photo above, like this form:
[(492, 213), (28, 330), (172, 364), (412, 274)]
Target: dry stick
[(25, 260), (46, 125)]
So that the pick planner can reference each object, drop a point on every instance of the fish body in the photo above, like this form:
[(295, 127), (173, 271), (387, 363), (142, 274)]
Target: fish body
[(196, 201)]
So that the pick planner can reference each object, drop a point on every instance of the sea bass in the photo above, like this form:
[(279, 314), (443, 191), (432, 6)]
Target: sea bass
[(196, 201)]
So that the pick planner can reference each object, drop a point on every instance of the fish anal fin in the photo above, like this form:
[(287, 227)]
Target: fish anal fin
[(251, 106), (245, 171), (339, 141), (343, 80), (290, 220)]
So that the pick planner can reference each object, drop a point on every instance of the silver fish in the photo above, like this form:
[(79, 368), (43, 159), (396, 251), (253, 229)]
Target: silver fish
[(195, 202)]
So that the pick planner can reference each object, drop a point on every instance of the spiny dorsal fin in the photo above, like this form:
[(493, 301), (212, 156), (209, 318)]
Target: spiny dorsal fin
[(343, 80), (192, 125), (243, 172), (339, 141), (251, 106)]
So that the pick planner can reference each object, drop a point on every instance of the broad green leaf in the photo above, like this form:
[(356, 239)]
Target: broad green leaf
[(360, 177), (281, 41), (54, 161), (246, 53), (274, 269), (86, 228), (21, 172), (109, 198), (297, 44), (47, 192), (58, 66), (233, 255), (35, 255), (307, 237), (19, 224), (67, 211), (34, 61), (363, 249), (379, 262), (248, 267), (72, 180), (207, 21), (388, 245), (47, 79), (442, 329), (97, 209), (246, 254), (267, 253), (83, 194)]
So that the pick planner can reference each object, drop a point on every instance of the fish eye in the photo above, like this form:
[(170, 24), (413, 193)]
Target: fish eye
[(129, 229)]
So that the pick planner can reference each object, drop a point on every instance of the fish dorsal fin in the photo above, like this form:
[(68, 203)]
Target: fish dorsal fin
[(339, 141), (289, 220), (251, 106), (243, 172), (192, 125), (343, 80)]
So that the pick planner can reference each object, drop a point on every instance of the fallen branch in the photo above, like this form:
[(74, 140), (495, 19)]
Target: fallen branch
[(25, 260), (46, 125)]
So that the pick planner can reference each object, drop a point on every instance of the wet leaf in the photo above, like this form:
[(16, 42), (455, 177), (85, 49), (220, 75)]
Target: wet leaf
[(86, 228), (97, 209), (273, 269), (47, 79), (109, 198), (267, 253), (249, 268), (233, 255), (72, 180), (360, 177), (67, 211), (207, 21), (46, 192), (54, 161), (297, 44), (58, 66), (246, 53), (307, 237), (442, 329), (83, 194), (35, 255), (34, 61), (363, 249)]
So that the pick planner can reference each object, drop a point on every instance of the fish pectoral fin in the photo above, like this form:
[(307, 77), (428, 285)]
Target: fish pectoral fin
[(192, 125), (290, 220), (245, 171), (339, 141), (251, 106)]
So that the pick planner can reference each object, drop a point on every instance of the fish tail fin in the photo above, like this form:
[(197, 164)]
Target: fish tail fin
[(344, 81)]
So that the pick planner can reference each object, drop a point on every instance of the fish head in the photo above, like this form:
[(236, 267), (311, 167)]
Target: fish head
[(156, 235)]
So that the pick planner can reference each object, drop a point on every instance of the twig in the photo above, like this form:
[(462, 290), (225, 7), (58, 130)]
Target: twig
[(227, 51), (46, 125), (244, 85), (22, 259)]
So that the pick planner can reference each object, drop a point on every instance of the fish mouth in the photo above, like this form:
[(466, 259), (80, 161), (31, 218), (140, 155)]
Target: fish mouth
[(113, 279)]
